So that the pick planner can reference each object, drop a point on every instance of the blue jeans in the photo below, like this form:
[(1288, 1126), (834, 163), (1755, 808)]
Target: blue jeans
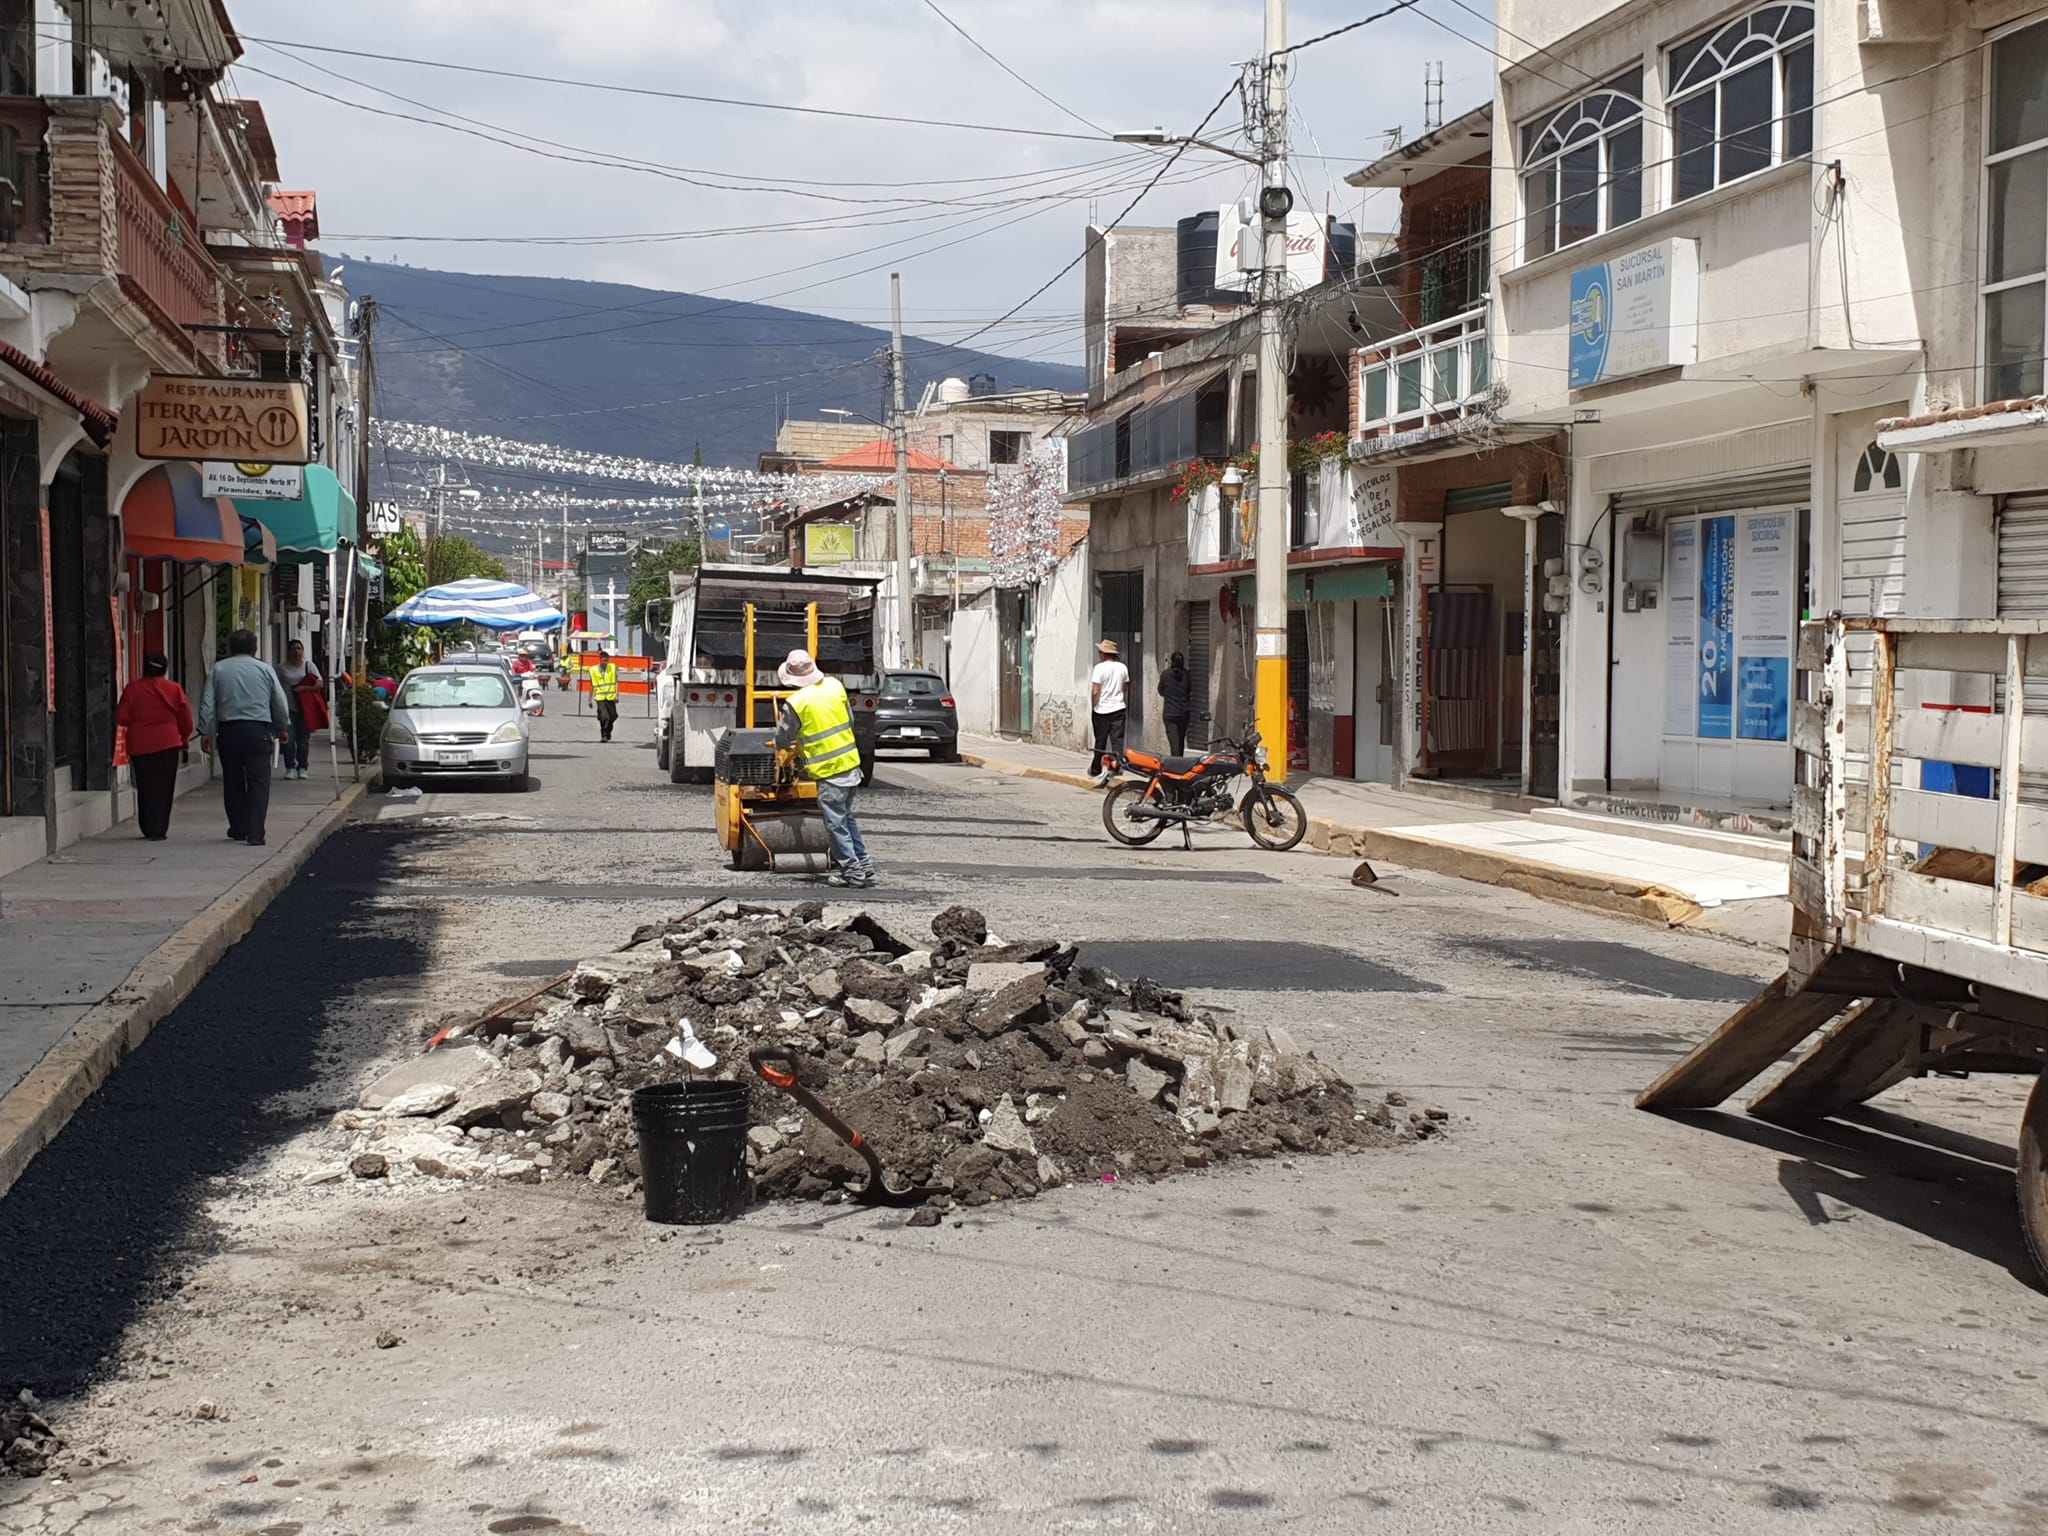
[(837, 806), (295, 749)]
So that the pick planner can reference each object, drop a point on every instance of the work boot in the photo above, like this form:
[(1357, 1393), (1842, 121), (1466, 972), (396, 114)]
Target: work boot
[(840, 878)]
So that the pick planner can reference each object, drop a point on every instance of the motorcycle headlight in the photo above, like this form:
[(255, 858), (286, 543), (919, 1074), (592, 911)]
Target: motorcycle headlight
[(506, 733), (1260, 757), (398, 731)]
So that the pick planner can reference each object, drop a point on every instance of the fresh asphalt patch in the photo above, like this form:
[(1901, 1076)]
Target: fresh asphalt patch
[(1621, 967), (103, 1220), (1248, 965)]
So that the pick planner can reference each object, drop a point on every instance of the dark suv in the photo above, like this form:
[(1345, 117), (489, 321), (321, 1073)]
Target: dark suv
[(915, 710)]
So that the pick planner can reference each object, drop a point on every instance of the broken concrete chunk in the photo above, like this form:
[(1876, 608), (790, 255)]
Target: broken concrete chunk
[(1282, 1041), (421, 1099), (493, 1094), (1003, 1009), (917, 964), (825, 988), (1147, 1082), (912, 1041), (867, 1011), (1202, 1122), (871, 1049), (1006, 1131), (455, 1065), (993, 976), (961, 925), (549, 1106), (764, 1139)]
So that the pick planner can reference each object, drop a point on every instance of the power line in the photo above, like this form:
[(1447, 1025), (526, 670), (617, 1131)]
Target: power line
[(999, 64), (1352, 26), (614, 88)]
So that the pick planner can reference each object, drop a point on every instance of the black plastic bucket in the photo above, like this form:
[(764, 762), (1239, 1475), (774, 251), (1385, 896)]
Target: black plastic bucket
[(693, 1151)]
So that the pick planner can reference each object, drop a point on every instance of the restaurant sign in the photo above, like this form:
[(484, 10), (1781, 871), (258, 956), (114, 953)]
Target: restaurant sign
[(238, 421)]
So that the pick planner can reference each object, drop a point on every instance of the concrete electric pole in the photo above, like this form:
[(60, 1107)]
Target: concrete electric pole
[(1269, 546), (906, 603)]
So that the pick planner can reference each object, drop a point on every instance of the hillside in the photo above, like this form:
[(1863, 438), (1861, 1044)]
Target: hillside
[(617, 369)]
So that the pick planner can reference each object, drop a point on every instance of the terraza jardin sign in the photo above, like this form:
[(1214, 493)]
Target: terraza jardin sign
[(257, 421)]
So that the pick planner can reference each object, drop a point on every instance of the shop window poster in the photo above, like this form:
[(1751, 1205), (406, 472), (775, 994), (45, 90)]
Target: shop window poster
[(1681, 639), (1717, 629), (1763, 624)]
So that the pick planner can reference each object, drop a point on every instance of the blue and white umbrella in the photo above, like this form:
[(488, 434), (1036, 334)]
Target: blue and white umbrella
[(476, 600)]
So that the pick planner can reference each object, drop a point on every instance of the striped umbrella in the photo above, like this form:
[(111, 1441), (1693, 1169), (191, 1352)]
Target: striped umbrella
[(476, 600)]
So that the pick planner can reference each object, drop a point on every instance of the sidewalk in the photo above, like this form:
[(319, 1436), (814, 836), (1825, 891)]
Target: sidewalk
[(105, 939), (1723, 883)]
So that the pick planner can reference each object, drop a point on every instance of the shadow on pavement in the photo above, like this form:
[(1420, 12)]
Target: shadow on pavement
[(1924, 1178), (102, 1221)]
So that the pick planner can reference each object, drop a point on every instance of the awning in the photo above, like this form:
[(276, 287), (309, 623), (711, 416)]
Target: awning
[(259, 544), (322, 517), (168, 516), (476, 600)]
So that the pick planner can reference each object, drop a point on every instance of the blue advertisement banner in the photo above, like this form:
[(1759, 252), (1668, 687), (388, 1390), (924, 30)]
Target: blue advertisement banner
[(1592, 305), (1763, 626), (1766, 698), (1717, 628)]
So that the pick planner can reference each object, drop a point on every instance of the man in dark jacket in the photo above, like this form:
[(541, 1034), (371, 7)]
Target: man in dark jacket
[(1177, 691)]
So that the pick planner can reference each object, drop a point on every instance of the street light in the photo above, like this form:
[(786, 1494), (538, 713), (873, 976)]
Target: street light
[(1231, 489)]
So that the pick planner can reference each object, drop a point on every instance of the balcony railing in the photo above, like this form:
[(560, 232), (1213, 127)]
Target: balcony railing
[(1424, 378), (158, 254)]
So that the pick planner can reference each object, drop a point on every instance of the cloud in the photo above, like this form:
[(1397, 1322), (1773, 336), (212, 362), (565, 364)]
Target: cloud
[(1125, 64)]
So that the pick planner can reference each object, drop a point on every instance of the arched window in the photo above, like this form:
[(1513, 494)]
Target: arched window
[(1878, 470), (1582, 167), (1742, 98)]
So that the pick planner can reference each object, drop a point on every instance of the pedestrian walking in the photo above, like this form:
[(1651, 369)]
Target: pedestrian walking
[(1177, 702), (243, 707), (604, 691), (302, 685), (1109, 705), (817, 719), (158, 719)]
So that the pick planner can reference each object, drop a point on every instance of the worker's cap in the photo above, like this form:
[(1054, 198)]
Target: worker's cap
[(797, 670), (1108, 648)]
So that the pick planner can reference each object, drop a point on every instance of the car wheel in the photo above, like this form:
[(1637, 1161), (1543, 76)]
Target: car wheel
[(519, 783), (949, 753)]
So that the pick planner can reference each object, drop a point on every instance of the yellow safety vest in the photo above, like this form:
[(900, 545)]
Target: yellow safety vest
[(604, 683), (825, 729)]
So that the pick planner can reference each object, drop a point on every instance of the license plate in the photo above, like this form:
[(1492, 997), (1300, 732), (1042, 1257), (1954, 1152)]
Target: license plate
[(451, 757)]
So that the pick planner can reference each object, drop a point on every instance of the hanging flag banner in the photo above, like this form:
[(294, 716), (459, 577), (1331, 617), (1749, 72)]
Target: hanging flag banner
[(1763, 628), (1717, 628), (255, 482), (829, 543), (1681, 633)]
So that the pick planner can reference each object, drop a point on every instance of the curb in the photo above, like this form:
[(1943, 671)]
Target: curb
[(42, 1103), (1550, 882)]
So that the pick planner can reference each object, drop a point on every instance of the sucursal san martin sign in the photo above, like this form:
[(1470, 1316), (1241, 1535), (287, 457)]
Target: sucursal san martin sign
[(1636, 313), (236, 421)]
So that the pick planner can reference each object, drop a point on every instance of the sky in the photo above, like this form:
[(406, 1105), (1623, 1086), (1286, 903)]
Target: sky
[(987, 218)]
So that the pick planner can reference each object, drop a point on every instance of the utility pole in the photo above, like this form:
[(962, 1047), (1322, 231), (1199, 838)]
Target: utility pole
[(1269, 546), (906, 603)]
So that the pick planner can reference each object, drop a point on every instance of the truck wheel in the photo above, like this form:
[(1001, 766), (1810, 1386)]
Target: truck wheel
[(2033, 1176), (678, 773), (661, 750), (867, 768)]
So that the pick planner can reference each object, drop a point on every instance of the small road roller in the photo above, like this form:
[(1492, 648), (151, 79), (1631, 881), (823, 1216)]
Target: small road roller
[(768, 815)]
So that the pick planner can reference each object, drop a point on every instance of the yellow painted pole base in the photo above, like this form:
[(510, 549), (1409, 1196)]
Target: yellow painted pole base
[(1270, 713)]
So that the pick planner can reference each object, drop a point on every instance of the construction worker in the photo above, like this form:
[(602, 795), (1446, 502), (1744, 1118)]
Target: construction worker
[(817, 719), (604, 691)]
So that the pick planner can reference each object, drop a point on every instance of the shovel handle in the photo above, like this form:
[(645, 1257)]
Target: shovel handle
[(777, 1066)]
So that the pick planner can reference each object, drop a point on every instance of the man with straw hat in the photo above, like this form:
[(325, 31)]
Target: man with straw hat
[(817, 719), (1109, 704)]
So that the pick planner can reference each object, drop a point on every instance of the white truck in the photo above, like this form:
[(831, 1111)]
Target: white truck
[(702, 687)]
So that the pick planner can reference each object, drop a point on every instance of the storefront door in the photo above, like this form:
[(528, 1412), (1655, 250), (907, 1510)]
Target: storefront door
[(1376, 708)]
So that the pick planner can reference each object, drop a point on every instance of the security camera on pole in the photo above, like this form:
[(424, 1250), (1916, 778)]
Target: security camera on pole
[(1269, 547)]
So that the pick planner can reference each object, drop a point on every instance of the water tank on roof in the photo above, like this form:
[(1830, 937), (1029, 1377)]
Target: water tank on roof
[(982, 384), (952, 391), (1340, 256), (1195, 263)]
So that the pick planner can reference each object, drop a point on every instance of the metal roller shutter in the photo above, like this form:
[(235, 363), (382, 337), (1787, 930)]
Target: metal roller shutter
[(1775, 488), (2023, 594), (1873, 584), (1198, 672)]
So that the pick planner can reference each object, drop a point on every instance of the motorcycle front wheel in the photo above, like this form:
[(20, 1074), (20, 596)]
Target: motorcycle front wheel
[(1273, 817), (1132, 834)]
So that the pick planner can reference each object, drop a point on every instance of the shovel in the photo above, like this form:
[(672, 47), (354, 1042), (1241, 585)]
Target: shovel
[(778, 1069)]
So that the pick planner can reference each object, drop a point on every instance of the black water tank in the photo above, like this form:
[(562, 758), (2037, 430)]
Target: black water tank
[(1340, 256), (1195, 263)]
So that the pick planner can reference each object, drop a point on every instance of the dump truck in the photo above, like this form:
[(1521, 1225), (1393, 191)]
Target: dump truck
[(1919, 883), (702, 690)]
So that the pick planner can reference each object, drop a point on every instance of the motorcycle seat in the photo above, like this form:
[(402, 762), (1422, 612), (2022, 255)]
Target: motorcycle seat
[(1178, 765)]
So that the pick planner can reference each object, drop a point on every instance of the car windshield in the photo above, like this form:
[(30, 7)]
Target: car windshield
[(912, 682), (455, 690)]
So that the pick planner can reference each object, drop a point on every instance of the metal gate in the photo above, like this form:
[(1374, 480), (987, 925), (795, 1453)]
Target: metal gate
[(1873, 576), (1013, 662), (2023, 594), (1123, 620), (1297, 689), (1198, 673)]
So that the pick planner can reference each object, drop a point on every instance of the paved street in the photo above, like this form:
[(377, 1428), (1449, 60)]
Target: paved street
[(1561, 1316)]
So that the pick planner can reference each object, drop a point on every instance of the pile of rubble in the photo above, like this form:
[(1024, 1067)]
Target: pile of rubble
[(27, 1443), (980, 1068)]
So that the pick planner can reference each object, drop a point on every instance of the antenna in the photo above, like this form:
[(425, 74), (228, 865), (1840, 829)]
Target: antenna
[(1432, 96)]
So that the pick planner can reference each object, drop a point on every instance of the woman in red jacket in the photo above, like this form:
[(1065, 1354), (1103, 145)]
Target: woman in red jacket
[(158, 718)]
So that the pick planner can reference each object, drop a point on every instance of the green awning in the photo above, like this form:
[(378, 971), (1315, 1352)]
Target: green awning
[(322, 517), (1349, 583)]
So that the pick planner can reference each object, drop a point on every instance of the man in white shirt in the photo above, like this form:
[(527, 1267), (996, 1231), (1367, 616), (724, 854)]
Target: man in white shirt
[(1108, 702)]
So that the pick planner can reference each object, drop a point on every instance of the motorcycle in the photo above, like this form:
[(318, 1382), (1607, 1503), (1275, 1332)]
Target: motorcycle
[(1183, 790)]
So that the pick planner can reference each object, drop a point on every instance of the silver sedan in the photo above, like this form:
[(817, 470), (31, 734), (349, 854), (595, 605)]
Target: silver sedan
[(456, 721)]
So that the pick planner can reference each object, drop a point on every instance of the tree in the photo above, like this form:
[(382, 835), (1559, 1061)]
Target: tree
[(651, 570), (451, 558), (394, 647)]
